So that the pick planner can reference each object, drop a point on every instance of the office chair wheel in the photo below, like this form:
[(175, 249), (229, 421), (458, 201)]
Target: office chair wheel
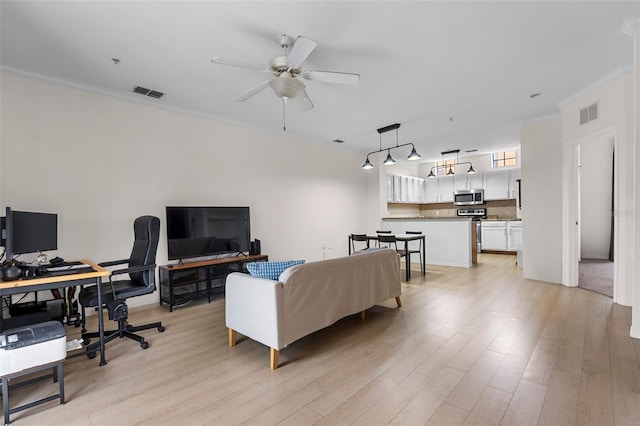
[(86, 341), (144, 345), (161, 329), (91, 355)]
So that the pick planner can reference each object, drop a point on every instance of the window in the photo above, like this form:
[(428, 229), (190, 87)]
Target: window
[(504, 159), (443, 167)]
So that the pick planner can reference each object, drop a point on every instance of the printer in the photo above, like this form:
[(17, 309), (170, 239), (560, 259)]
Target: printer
[(31, 346)]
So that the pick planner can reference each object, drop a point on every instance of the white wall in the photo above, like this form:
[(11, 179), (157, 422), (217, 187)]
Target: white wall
[(615, 121), (99, 162), (596, 177), (541, 143)]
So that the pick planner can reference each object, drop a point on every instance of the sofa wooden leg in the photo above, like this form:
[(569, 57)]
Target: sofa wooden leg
[(275, 354), (362, 314), (399, 302), (232, 337)]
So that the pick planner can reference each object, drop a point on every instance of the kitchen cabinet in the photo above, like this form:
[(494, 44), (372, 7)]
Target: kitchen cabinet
[(467, 181), (514, 175), (405, 189), (494, 235), (445, 188), (514, 235), (502, 235), (500, 185), (439, 190), (496, 185), (431, 191)]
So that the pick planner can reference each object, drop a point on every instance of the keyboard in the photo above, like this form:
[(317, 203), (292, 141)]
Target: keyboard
[(67, 267), (56, 273)]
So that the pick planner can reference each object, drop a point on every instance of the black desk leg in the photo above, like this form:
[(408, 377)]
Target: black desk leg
[(103, 361), (407, 260), (424, 256)]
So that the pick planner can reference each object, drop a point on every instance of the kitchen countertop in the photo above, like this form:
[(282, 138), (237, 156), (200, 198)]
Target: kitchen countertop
[(426, 218)]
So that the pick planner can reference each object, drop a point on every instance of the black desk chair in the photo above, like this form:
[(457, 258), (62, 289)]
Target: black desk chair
[(412, 249), (359, 238), (141, 267)]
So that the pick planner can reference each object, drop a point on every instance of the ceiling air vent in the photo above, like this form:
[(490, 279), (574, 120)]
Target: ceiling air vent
[(148, 92), (588, 114)]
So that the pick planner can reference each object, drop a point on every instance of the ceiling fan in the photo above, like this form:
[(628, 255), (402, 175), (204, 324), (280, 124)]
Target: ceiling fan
[(286, 71)]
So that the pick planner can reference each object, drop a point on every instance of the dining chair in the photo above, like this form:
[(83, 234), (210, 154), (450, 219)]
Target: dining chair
[(381, 232), (411, 248), (361, 238)]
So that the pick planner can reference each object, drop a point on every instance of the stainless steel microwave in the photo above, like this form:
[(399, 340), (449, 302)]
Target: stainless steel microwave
[(468, 197)]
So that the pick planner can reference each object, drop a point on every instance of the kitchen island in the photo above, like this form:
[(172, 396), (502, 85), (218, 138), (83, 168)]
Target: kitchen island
[(449, 241)]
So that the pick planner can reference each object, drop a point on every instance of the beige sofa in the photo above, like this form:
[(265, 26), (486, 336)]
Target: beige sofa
[(308, 297)]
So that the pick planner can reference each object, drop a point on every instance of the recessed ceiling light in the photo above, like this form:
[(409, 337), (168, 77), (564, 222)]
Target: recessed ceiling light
[(534, 95), (338, 141)]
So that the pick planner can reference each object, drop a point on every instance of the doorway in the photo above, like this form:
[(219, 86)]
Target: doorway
[(595, 233)]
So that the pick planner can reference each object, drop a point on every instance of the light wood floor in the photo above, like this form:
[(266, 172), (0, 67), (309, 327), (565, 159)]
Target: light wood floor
[(477, 346)]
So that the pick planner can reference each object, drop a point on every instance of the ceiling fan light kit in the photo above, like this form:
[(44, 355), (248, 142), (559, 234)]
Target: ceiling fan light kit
[(286, 69), (389, 160), (451, 167)]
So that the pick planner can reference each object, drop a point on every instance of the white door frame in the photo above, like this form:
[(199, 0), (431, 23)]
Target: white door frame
[(570, 208)]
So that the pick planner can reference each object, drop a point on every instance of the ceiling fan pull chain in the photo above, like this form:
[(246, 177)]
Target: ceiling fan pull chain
[(284, 115)]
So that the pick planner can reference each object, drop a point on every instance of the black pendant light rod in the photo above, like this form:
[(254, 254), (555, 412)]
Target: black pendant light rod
[(389, 128)]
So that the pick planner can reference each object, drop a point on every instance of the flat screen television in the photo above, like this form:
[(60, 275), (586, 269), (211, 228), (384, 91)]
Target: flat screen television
[(29, 232), (207, 231)]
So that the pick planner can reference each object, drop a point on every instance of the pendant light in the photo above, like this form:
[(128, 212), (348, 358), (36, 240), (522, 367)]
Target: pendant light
[(389, 160), (451, 167)]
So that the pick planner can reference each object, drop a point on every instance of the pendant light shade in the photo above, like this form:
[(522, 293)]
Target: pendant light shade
[(471, 170), (450, 171), (389, 161), (367, 164), (431, 175), (414, 155)]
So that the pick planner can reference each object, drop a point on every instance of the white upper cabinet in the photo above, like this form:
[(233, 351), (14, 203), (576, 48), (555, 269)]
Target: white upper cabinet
[(405, 189), (496, 185), (445, 188), (431, 191), (514, 175), (466, 181), (500, 185)]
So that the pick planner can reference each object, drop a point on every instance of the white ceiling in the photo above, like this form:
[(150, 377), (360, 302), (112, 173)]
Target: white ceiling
[(454, 74)]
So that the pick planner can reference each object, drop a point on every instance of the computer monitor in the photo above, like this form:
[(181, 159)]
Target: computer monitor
[(30, 232)]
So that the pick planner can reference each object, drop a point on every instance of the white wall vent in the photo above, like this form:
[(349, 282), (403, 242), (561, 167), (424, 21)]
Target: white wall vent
[(588, 114)]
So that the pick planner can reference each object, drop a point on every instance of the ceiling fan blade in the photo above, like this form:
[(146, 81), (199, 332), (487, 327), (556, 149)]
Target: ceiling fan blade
[(304, 101), (332, 77), (231, 63), (302, 48), (253, 91)]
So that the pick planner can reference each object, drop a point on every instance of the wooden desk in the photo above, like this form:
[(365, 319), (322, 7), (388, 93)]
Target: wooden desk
[(405, 238), (8, 288)]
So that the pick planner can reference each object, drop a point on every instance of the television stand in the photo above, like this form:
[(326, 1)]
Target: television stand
[(185, 281)]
